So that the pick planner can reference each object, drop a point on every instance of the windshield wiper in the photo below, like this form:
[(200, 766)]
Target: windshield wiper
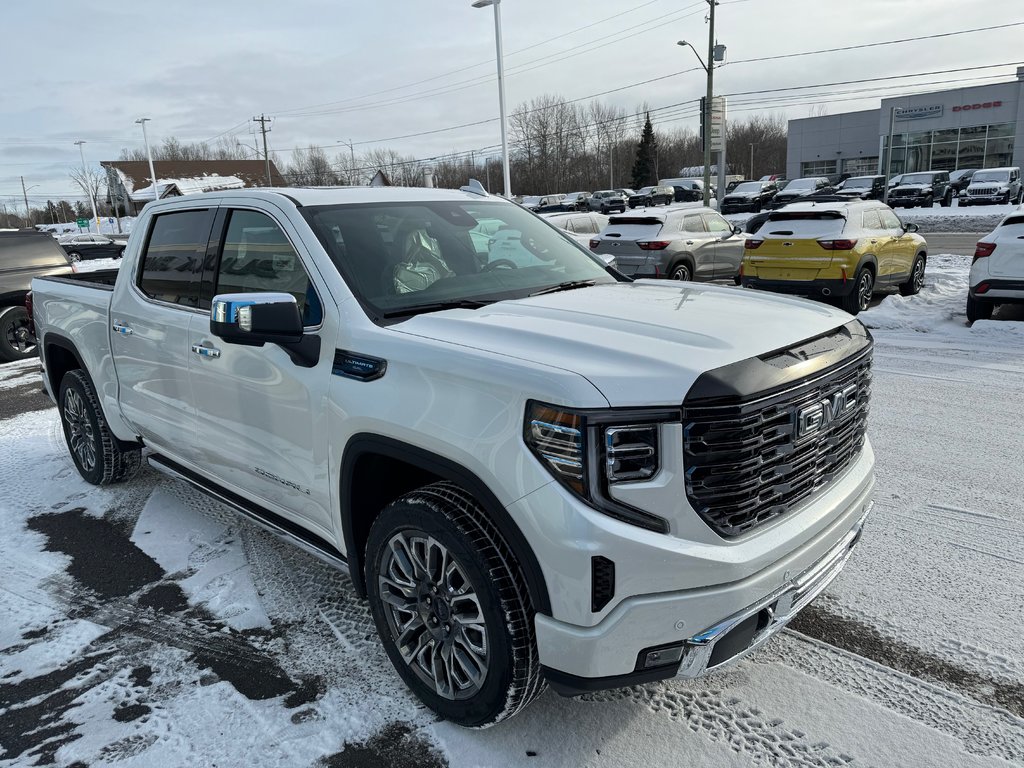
[(569, 285), (437, 306)]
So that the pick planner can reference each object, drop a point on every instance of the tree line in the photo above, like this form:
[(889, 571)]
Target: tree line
[(555, 145)]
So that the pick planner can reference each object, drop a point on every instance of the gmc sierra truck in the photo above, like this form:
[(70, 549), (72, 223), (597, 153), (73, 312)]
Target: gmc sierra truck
[(536, 470)]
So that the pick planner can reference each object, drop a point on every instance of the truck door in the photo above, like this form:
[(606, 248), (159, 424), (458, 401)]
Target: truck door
[(150, 317), (261, 416)]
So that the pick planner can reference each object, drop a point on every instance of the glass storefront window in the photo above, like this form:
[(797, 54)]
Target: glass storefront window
[(971, 154), (860, 166), (818, 168), (1000, 130), (999, 153), (949, 134), (974, 133), (944, 156), (919, 138)]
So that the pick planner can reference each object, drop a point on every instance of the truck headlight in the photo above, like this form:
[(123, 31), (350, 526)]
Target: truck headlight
[(590, 451)]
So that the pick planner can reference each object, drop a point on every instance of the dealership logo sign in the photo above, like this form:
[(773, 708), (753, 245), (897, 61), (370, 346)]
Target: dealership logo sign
[(916, 113), (982, 105)]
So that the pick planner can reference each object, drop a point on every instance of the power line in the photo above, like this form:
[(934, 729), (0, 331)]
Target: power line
[(875, 45)]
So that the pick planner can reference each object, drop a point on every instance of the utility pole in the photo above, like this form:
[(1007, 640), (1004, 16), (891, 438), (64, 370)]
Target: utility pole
[(751, 161), (28, 212), (611, 170), (263, 120), (888, 155), (709, 103)]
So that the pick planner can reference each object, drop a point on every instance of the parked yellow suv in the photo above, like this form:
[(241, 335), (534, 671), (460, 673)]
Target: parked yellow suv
[(842, 251)]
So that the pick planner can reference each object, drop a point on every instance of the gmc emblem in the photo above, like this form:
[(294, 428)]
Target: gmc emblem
[(817, 416)]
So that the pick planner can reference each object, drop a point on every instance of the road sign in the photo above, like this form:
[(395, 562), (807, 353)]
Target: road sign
[(718, 124), (83, 223)]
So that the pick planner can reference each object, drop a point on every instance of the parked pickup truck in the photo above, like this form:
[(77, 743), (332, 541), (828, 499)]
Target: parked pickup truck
[(536, 472)]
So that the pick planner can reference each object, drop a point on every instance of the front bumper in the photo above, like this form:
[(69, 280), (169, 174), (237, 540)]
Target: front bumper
[(735, 206), (907, 202), (983, 199), (812, 288)]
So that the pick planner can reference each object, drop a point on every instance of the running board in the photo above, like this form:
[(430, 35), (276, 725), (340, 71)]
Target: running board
[(264, 518)]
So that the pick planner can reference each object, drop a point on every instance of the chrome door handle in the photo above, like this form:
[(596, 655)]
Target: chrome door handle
[(205, 351), (124, 330)]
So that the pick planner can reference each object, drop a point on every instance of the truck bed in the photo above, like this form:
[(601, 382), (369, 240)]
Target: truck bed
[(100, 278)]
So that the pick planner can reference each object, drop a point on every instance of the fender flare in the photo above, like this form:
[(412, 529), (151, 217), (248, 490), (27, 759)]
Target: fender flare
[(54, 339), (363, 444), (868, 258)]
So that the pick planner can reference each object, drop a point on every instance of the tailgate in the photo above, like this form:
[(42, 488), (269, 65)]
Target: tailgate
[(790, 247), (621, 237)]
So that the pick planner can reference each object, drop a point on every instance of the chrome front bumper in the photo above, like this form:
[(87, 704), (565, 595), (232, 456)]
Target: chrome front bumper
[(772, 613)]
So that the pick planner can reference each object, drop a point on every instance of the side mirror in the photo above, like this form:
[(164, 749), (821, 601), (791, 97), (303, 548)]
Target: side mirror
[(911, 227), (736, 230), (256, 318)]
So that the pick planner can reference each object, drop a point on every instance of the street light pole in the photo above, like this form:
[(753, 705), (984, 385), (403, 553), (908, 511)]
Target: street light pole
[(352, 159), (149, 155), (28, 211), (709, 67), (888, 155), (85, 179), (501, 91), (751, 160)]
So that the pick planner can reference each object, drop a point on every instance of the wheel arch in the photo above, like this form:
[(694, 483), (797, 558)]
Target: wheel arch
[(870, 261), (369, 459), (59, 356), (683, 257)]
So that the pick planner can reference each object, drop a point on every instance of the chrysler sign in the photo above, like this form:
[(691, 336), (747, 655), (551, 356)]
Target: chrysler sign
[(915, 113)]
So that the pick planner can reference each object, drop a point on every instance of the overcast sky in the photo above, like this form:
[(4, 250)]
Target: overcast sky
[(322, 68)]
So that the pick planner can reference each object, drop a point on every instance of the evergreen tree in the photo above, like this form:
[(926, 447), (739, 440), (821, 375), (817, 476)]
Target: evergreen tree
[(646, 154)]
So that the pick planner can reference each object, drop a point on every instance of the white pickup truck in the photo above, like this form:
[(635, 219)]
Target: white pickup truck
[(537, 471)]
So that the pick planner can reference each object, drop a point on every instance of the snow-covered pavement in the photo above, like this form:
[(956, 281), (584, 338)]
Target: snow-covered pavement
[(145, 625)]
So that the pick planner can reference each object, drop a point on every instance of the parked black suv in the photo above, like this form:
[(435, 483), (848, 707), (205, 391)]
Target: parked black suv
[(960, 178), (862, 188), (652, 196), (23, 255), (922, 190), (749, 196), (798, 188)]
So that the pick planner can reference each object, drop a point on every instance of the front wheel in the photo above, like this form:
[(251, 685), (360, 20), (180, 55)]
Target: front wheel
[(15, 340), (451, 607), (947, 200), (978, 310), (915, 282), (928, 202), (100, 458), (75, 256), (860, 297)]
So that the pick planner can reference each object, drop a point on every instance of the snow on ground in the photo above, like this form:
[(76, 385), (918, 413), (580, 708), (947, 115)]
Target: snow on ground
[(145, 625), (94, 265)]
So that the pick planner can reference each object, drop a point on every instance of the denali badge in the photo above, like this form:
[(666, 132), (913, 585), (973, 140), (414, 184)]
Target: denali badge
[(815, 417)]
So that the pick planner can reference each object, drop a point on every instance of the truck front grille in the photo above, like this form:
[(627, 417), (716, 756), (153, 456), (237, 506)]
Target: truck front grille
[(982, 191), (745, 462)]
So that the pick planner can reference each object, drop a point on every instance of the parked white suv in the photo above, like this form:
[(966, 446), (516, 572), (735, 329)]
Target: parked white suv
[(997, 274), (994, 185), (536, 470)]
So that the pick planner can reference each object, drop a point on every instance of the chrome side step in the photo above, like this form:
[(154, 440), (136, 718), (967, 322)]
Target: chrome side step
[(265, 519)]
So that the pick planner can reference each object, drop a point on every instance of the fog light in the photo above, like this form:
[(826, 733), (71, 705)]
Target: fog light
[(659, 657)]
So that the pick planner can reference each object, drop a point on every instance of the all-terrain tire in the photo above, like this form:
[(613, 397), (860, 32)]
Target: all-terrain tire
[(915, 282), (14, 342), (978, 310), (101, 459), (449, 517)]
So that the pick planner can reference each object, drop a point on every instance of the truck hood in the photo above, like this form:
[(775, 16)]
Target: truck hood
[(914, 188), (640, 343)]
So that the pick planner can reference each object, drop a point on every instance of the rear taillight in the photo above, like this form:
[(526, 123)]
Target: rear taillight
[(594, 243), (752, 244), (28, 308), (653, 245), (982, 288), (982, 250), (838, 245)]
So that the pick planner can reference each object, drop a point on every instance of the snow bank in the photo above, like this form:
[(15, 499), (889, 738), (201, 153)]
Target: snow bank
[(940, 307)]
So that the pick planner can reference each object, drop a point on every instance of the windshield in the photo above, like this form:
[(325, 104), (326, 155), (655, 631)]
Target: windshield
[(803, 224), (574, 195), (859, 182), (917, 178), (605, 193), (802, 184), (401, 258), (991, 176), (748, 187), (531, 200), (644, 190)]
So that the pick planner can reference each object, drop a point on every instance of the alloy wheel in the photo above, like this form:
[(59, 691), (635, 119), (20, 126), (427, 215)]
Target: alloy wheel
[(17, 336), (864, 290), (682, 272), (918, 275), (81, 437), (434, 615), (75, 256)]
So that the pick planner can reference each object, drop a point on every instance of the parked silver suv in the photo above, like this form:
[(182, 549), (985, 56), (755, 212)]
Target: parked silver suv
[(994, 185), (680, 244)]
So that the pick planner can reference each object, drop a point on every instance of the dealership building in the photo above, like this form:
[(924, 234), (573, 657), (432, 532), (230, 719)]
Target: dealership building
[(973, 127)]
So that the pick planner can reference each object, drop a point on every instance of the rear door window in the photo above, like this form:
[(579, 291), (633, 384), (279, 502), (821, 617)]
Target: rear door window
[(172, 261), (583, 225), (691, 224), (872, 221), (258, 258), (716, 223)]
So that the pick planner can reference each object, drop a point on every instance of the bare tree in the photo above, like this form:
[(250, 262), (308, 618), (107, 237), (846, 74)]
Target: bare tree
[(89, 180), (310, 167)]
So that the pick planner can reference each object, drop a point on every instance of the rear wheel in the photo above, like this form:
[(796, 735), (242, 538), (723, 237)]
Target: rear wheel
[(978, 310), (680, 271), (915, 282), (860, 297), (15, 340), (947, 199), (928, 202), (75, 256), (451, 607), (98, 455)]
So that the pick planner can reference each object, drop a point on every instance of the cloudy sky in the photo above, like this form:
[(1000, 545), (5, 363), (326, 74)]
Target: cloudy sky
[(333, 70)]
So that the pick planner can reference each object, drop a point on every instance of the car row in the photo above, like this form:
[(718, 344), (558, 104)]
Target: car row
[(994, 186), (749, 196)]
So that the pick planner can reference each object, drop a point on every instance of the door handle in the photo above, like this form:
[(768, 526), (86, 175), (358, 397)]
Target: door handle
[(689, 242), (124, 330), (202, 351), (873, 240)]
